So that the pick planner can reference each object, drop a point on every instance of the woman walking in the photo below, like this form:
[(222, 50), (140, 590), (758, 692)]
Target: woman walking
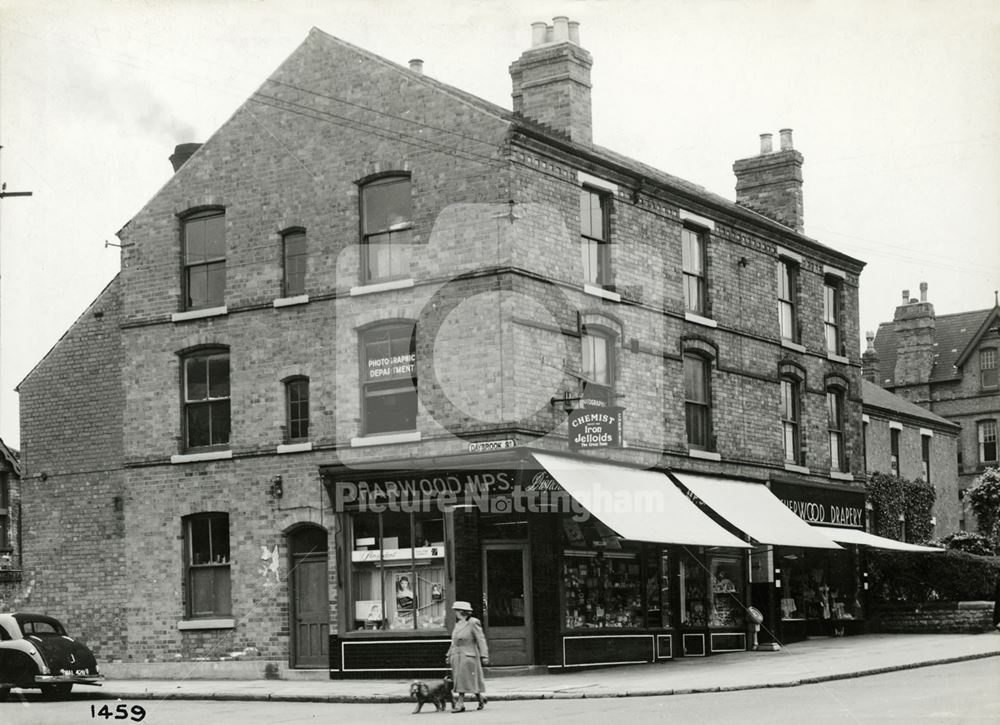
[(466, 657)]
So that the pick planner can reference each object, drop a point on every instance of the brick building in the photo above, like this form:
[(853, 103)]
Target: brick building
[(946, 364), (10, 525), (903, 439), (379, 345)]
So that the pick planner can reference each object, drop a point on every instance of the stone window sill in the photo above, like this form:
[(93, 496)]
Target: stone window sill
[(367, 289), (705, 455), (295, 447), (699, 320), (290, 301), (386, 439), (221, 623), (199, 314), (196, 457), (596, 291)]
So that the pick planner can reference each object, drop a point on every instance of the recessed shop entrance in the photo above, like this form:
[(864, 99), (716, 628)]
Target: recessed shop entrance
[(507, 603)]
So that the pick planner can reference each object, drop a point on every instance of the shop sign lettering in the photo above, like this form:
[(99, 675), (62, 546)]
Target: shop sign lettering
[(818, 513), (595, 428)]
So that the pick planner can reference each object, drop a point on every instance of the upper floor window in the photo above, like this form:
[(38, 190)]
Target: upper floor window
[(831, 315), (389, 378), (294, 258), (698, 401), (988, 367), (206, 543), (204, 260), (297, 408), (925, 456), (835, 427), (788, 273), (387, 229), (693, 262), (894, 451), (790, 417), (206, 399), (595, 233), (598, 363), (987, 441)]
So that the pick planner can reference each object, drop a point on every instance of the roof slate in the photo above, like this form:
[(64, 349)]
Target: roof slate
[(878, 397), (952, 334)]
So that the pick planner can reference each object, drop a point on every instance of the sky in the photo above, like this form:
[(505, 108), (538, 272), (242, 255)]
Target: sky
[(895, 106)]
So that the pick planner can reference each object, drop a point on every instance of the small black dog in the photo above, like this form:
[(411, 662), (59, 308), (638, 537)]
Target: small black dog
[(439, 693)]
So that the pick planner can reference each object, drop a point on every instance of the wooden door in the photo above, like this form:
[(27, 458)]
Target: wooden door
[(507, 603), (310, 598)]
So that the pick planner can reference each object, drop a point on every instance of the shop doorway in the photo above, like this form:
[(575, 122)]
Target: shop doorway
[(310, 597), (507, 604)]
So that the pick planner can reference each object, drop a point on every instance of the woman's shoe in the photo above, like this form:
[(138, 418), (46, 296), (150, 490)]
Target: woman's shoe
[(459, 710), (482, 702)]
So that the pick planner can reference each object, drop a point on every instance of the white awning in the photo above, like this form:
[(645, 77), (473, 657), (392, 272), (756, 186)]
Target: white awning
[(856, 536), (637, 504), (754, 510)]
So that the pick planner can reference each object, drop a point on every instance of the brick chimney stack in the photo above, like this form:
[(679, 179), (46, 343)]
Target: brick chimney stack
[(182, 152), (914, 324), (551, 80), (869, 360), (771, 183)]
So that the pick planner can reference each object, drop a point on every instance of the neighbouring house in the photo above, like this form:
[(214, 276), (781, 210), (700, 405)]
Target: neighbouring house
[(902, 439), (10, 527), (379, 344), (946, 364)]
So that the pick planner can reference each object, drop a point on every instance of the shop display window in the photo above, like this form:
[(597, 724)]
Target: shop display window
[(602, 590), (725, 605), (397, 571), (817, 585)]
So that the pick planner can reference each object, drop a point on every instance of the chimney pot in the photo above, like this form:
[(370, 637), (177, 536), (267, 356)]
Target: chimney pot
[(538, 33), (923, 291), (786, 139), (549, 35), (765, 144), (560, 25), (574, 31), (906, 296), (416, 65)]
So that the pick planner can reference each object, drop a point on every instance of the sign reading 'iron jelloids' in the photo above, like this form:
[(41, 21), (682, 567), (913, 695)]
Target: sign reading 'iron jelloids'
[(595, 428)]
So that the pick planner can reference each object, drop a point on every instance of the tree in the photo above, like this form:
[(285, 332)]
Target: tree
[(984, 500)]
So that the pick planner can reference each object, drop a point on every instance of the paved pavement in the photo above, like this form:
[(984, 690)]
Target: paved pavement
[(816, 660)]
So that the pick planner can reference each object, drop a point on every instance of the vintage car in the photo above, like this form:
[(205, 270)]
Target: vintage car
[(36, 652)]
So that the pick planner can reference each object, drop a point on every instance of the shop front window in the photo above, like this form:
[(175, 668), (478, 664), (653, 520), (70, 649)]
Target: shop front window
[(397, 571), (818, 586), (602, 584), (725, 595)]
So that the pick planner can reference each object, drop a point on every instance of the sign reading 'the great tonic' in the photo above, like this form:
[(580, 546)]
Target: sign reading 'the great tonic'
[(595, 428)]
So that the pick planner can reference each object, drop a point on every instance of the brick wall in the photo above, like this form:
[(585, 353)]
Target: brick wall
[(934, 618)]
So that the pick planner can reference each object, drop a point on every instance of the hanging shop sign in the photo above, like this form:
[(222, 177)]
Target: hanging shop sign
[(595, 428)]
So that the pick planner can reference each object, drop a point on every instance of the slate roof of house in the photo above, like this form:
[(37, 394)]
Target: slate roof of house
[(952, 334), (874, 396), (11, 456), (613, 158)]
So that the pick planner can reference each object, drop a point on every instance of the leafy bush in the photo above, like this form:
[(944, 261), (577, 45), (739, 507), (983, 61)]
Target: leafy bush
[(902, 576), (969, 542), (984, 500)]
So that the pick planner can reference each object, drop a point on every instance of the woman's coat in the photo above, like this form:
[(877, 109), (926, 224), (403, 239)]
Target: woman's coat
[(468, 645)]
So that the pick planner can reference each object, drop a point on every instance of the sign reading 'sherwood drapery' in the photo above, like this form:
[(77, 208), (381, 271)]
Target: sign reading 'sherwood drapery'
[(595, 428)]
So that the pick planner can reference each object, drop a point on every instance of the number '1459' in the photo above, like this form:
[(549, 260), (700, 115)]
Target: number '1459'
[(121, 712)]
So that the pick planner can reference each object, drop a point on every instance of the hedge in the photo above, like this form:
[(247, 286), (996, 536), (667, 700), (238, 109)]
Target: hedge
[(901, 576)]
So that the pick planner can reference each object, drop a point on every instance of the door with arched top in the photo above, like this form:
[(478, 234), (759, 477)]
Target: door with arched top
[(309, 597)]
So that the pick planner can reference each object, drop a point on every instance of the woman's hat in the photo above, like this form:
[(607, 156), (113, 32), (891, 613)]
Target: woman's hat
[(461, 606)]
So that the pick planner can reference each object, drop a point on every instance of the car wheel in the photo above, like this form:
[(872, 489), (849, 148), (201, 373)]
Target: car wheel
[(57, 692)]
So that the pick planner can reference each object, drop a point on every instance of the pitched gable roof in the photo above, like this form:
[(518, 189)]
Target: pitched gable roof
[(874, 396), (952, 335), (10, 456)]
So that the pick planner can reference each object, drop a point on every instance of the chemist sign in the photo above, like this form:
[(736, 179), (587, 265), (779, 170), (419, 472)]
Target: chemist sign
[(595, 428)]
